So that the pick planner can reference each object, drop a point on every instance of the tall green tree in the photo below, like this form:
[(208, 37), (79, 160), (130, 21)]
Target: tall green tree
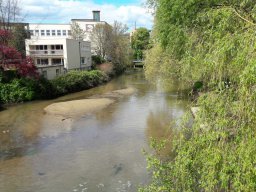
[(212, 41), (140, 42)]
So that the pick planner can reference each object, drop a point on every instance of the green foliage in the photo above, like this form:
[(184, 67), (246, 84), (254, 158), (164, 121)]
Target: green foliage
[(16, 91), (140, 42), (214, 42), (26, 89), (97, 59), (8, 75), (77, 81)]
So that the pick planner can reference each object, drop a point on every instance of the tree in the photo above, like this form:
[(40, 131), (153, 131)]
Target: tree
[(112, 43), (11, 58), (9, 20), (101, 38), (214, 42), (140, 42), (19, 34), (76, 32), (120, 51), (9, 13)]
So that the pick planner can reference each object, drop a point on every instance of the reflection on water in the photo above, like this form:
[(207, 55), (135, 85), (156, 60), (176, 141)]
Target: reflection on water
[(97, 152)]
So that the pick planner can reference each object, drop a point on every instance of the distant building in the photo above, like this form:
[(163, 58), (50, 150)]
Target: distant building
[(58, 56), (55, 52)]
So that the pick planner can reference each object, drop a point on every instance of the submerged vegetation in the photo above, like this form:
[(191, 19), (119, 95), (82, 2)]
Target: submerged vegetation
[(212, 42)]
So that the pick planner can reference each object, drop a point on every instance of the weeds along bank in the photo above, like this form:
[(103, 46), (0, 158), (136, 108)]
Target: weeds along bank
[(14, 89), (211, 42)]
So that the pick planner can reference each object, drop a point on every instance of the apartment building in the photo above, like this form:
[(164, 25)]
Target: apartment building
[(55, 52), (58, 56)]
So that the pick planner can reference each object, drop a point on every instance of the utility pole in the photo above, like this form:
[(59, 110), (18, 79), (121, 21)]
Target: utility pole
[(80, 54)]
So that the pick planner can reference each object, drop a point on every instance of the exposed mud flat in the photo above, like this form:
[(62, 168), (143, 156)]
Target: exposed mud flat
[(78, 108)]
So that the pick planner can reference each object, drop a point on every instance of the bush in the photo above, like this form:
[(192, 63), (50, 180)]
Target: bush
[(27, 89), (77, 81), (15, 92), (96, 59)]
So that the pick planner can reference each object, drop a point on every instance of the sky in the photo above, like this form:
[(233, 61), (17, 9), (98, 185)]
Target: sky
[(62, 11)]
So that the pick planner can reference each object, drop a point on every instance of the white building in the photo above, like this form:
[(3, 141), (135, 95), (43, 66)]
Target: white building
[(55, 52), (54, 57)]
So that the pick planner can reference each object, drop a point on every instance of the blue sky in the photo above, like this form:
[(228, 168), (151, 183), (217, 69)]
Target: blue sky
[(62, 11)]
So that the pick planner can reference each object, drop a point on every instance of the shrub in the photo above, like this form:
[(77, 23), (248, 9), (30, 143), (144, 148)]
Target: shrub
[(96, 59), (27, 89), (15, 91), (77, 81)]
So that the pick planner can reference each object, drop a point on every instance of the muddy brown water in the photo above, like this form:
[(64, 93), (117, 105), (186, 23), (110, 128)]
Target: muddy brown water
[(100, 151)]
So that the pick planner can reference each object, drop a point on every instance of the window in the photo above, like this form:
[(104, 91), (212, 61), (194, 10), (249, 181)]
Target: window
[(59, 32), (69, 32), (57, 72), (57, 61), (36, 32), (58, 47), (53, 33), (45, 74), (42, 33), (31, 32), (64, 32), (42, 61), (83, 60), (48, 32), (41, 47)]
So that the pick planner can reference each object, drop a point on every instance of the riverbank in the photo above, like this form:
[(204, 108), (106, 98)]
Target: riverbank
[(19, 90)]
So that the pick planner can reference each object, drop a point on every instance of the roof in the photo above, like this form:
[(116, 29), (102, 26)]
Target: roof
[(82, 20)]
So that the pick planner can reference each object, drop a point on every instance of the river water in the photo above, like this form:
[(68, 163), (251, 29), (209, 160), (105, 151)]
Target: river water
[(97, 152)]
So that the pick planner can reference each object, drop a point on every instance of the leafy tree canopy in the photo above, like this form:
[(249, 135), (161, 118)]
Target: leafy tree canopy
[(214, 42), (140, 41)]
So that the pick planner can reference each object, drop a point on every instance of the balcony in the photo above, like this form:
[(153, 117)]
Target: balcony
[(49, 52)]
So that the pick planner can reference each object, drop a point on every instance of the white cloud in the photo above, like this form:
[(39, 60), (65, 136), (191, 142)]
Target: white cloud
[(59, 11)]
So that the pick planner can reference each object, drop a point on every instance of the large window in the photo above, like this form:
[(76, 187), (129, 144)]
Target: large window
[(64, 32), (42, 61), (36, 32), (57, 47), (41, 47), (42, 33), (31, 32), (57, 72), (83, 60), (48, 33), (45, 74), (59, 32), (53, 33), (57, 61)]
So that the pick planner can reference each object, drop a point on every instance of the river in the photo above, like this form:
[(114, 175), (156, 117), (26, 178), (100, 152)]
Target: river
[(101, 151)]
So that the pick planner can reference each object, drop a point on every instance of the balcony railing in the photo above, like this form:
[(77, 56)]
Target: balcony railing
[(46, 52), (48, 65)]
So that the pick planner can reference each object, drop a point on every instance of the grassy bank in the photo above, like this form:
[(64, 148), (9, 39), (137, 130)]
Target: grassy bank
[(15, 90)]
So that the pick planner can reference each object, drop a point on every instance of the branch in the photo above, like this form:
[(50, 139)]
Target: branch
[(235, 9), (252, 23)]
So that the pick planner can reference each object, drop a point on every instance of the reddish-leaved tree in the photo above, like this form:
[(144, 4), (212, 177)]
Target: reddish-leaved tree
[(10, 58)]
